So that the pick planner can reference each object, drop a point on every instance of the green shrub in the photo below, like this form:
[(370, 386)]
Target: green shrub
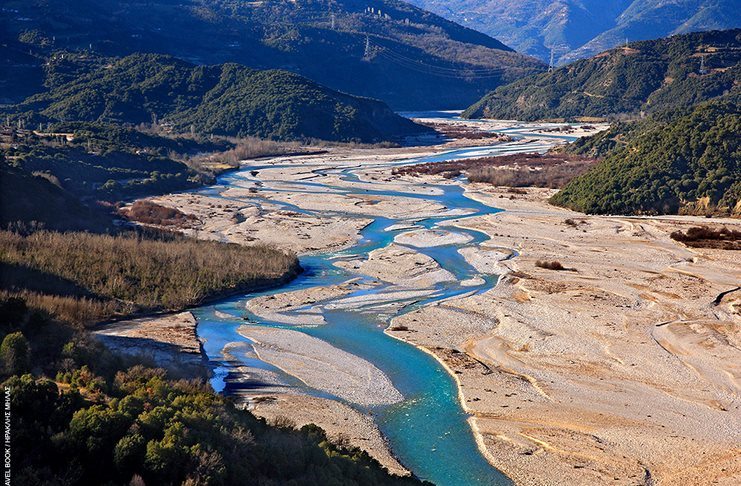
[(15, 353)]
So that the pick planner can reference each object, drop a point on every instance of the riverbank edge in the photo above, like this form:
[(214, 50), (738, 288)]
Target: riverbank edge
[(477, 435), (476, 431), (405, 470), (263, 285), (509, 468)]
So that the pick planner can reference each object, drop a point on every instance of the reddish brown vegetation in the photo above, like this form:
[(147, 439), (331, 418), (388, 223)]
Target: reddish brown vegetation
[(148, 212), (705, 237), (554, 265), (520, 170)]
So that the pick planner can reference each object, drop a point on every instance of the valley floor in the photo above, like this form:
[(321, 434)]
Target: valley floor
[(618, 370), (621, 368)]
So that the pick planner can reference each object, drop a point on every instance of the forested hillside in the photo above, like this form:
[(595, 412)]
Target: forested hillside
[(686, 161), (136, 427), (643, 77), (28, 199), (61, 177), (387, 49), (225, 99)]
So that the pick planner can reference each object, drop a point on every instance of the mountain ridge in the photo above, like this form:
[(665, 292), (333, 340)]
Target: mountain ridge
[(392, 51), (643, 77), (226, 99), (577, 29)]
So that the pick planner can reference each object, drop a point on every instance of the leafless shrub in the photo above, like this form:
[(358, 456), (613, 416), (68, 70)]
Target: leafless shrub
[(245, 148), (71, 309), (553, 177), (574, 223), (519, 274), (121, 274), (463, 132), (136, 480), (283, 422), (554, 265), (148, 212), (706, 237)]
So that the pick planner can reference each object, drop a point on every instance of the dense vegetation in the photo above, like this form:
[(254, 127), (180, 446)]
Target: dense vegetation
[(688, 160), (83, 416), (58, 177), (417, 59), (226, 99), (86, 277), (648, 77), (88, 167), (607, 141)]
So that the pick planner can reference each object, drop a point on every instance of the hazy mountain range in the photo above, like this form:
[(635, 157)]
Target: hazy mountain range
[(577, 29)]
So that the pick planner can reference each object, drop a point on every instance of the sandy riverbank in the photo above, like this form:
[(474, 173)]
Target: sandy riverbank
[(322, 366), (273, 207), (169, 341), (615, 373)]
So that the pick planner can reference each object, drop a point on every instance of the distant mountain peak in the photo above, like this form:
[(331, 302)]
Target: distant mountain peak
[(576, 29)]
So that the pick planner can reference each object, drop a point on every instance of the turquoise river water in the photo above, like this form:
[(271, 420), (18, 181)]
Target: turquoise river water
[(427, 431)]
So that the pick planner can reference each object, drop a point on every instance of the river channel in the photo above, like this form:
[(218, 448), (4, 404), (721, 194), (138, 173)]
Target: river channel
[(428, 430)]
